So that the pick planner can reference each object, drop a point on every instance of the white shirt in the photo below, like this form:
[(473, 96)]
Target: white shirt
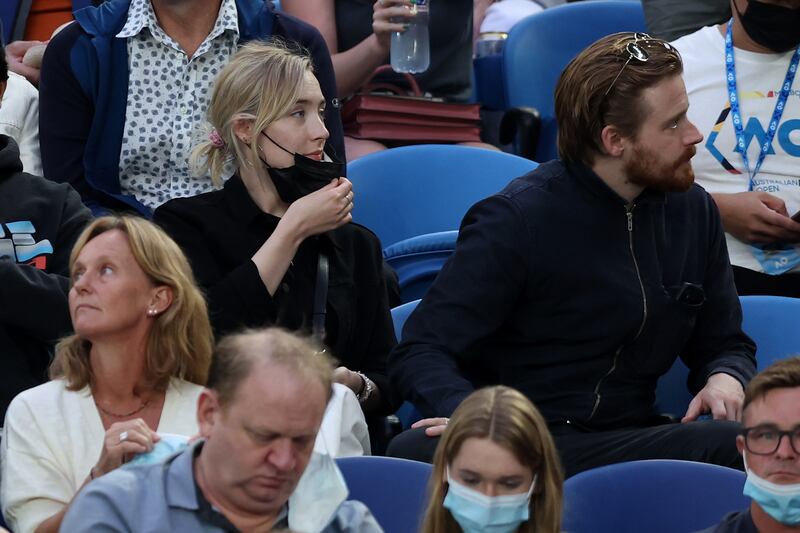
[(52, 438), (501, 16), (19, 119), (717, 167), (168, 96)]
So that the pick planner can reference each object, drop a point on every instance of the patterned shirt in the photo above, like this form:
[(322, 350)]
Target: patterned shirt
[(168, 96)]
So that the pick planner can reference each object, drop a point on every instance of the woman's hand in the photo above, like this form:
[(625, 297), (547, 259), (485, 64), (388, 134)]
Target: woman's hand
[(385, 17), (349, 379), (123, 440), (322, 210)]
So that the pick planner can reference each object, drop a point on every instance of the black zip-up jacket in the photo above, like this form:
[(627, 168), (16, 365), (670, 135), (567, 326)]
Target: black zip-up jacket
[(39, 222), (561, 289)]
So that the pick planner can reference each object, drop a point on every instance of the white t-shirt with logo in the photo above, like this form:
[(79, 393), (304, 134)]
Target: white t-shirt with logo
[(717, 166)]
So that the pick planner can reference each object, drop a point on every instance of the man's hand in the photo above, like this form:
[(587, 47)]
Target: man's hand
[(757, 217), (15, 52), (723, 396), (436, 426)]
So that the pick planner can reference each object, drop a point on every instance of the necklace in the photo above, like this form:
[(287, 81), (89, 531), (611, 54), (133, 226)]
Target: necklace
[(122, 415)]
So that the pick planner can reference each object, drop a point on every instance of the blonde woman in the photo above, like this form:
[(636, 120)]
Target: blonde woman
[(495, 469), (133, 369), (258, 245)]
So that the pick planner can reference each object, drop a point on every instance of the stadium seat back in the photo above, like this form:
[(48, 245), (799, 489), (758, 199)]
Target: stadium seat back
[(541, 45)]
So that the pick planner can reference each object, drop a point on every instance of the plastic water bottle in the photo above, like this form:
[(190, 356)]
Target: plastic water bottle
[(410, 49)]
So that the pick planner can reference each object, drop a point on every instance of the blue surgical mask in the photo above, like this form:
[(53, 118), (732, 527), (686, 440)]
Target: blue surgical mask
[(477, 513), (781, 502), (167, 446)]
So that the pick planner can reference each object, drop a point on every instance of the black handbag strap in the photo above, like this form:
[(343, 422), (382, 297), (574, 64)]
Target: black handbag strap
[(320, 299)]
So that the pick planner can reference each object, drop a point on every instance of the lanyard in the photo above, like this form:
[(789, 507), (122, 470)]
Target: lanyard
[(733, 97)]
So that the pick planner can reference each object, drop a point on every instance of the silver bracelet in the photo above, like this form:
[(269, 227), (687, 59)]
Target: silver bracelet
[(366, 390)]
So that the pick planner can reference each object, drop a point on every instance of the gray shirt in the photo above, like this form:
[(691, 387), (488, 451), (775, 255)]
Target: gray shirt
[(163, 497)]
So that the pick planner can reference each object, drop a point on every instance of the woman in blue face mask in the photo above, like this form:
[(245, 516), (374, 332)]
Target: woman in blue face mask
[(496, 469), (275, 246)]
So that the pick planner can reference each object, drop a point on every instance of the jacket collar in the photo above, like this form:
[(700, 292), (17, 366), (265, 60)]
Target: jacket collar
[(595, 184), (108, 19)]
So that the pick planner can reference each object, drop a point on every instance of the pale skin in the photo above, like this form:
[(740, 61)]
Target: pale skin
[(779, 408), (668, 133), (755, 217), (302, 130), (104, 275)]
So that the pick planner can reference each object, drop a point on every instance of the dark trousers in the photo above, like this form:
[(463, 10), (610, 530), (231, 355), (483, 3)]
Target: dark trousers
[(707, 441), (749, 282)]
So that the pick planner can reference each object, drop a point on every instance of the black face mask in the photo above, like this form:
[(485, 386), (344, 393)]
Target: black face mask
[(772, 26), (304, 177)]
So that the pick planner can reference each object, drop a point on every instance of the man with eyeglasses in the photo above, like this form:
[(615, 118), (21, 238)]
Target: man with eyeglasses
[(740, 77), (770, 446), (581, 282)]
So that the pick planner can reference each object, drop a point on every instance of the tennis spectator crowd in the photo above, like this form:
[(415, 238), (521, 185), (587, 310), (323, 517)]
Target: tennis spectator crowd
[(224, 307)]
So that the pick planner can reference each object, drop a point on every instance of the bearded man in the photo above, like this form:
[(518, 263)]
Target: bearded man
[(580, 283)]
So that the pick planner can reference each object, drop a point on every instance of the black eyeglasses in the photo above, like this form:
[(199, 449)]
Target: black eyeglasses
[(765, 440), (636, 50)]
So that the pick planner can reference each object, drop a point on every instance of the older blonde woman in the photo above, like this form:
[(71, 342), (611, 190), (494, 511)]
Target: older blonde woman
[(495, 469), (133, 369)]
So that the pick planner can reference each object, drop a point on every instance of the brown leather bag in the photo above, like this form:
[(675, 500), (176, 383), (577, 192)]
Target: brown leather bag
[(396, 117)]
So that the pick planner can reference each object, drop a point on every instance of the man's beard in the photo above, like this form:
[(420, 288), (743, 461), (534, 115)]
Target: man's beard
[(645, 168)]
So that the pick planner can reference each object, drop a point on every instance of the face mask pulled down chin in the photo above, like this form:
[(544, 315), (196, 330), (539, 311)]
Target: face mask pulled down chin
[(781, 502), (304, 177), (770, 25), (477, 513)]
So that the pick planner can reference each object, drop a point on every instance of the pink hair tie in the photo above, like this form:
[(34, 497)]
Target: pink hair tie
[(216, 139)]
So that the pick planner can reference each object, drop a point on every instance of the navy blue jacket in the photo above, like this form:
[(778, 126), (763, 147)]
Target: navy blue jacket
[(39, 224), (84, 88), (562, 290)]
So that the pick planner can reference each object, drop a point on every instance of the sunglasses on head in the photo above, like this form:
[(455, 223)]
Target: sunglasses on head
[(636, 50)]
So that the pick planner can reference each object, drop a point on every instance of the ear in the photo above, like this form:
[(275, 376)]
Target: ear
[(160, 300), (208, 410), (740, 443), (613, 143), (243, 129)]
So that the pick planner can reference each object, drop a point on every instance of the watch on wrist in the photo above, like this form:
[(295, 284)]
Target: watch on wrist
[(366, 389)]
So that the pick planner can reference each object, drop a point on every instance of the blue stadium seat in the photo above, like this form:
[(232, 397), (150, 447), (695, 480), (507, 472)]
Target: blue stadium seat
[(414, 190), (395, 490), (771, 321), (657, 496), (418, 260), (540, 46), (407, 414)]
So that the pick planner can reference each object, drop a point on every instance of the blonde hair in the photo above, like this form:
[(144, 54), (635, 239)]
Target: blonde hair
[(180, 342), (261, 82), (507, 418)]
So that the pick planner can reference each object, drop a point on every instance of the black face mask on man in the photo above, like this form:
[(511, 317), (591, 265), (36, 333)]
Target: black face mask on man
[(770, 25), (304, 177)]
